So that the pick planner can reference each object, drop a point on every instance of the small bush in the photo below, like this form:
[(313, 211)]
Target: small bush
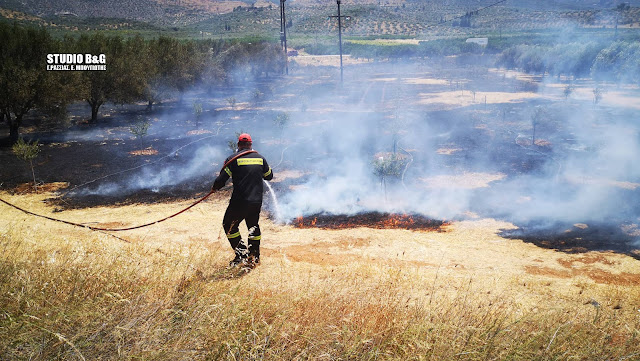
[(27, 151)]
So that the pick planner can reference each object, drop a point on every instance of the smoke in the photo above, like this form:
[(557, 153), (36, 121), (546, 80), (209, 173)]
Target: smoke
[(341, 160), (583, 167), (598, 181), (463, 135), (189, 167)]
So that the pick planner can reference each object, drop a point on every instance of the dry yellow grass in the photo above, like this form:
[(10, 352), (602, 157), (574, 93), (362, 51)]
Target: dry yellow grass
[(146, 151), (456, 99), (68, 293), (325, 60)]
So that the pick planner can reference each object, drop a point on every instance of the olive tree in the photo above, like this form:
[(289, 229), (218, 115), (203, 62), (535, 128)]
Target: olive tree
[(27, 151)]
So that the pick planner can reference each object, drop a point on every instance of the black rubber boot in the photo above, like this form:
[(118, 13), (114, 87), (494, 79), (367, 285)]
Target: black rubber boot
[(254, 251), (237, 260), (241, 253)]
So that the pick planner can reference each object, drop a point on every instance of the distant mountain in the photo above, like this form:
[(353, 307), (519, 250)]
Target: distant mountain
[(189, 11), (471, 4), (138, 9), (129, 9), (569, 4)]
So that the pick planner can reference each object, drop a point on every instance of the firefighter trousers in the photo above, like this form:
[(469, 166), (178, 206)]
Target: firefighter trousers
[(236, 213)]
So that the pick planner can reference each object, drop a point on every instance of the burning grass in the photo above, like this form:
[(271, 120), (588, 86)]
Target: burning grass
[(67, 293), (371, 220)]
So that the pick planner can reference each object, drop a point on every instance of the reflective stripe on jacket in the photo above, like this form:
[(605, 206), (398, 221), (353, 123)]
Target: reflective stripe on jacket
[(247, 173)]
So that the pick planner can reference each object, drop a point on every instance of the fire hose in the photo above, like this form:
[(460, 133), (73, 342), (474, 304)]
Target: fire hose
[(174, 152), (134, 227)]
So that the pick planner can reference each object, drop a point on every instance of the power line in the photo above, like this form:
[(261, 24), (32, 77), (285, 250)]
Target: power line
[(340, 34), (472, 12), (283, 34)]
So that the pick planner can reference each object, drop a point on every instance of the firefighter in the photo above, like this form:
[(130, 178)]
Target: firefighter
[(247, 173)]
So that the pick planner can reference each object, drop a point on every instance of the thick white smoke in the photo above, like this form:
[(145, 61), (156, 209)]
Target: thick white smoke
[(164, 175), (463, 158), (589, 173)]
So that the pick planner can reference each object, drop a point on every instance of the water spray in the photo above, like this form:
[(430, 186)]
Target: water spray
[(278, 216)]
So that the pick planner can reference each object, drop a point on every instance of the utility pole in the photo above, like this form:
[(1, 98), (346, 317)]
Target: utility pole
[(340, 39), (283, 35), (340, 35)]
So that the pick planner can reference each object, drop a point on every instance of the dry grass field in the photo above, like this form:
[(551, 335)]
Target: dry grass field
[(163, 293)]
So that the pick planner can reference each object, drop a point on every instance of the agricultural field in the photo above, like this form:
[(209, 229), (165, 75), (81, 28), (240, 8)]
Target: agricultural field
[(229, 19), (432, 199)]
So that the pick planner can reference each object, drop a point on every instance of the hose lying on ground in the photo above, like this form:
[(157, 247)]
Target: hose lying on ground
[(127, 228), (105, 229)]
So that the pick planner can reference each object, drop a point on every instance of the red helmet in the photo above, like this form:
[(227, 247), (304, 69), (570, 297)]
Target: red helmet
[(244, 137)]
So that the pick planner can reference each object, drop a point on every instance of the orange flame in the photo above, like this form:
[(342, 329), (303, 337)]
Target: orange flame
[(371, 220)]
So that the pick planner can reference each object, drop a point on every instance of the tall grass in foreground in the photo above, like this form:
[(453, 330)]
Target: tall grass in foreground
[(98, 298)]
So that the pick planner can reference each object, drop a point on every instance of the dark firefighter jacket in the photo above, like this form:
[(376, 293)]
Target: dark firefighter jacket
[(247, 173)]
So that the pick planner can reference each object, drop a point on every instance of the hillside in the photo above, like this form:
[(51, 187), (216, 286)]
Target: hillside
[(157, 11), (180, 12), (143, 9)]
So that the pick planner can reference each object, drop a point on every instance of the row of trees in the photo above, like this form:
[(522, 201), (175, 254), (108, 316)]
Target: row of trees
[(136, 70), (618, 61)]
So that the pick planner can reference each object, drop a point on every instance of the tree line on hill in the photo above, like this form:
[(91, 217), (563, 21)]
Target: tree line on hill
[(601, 59), (136, 70), (618, 61)]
